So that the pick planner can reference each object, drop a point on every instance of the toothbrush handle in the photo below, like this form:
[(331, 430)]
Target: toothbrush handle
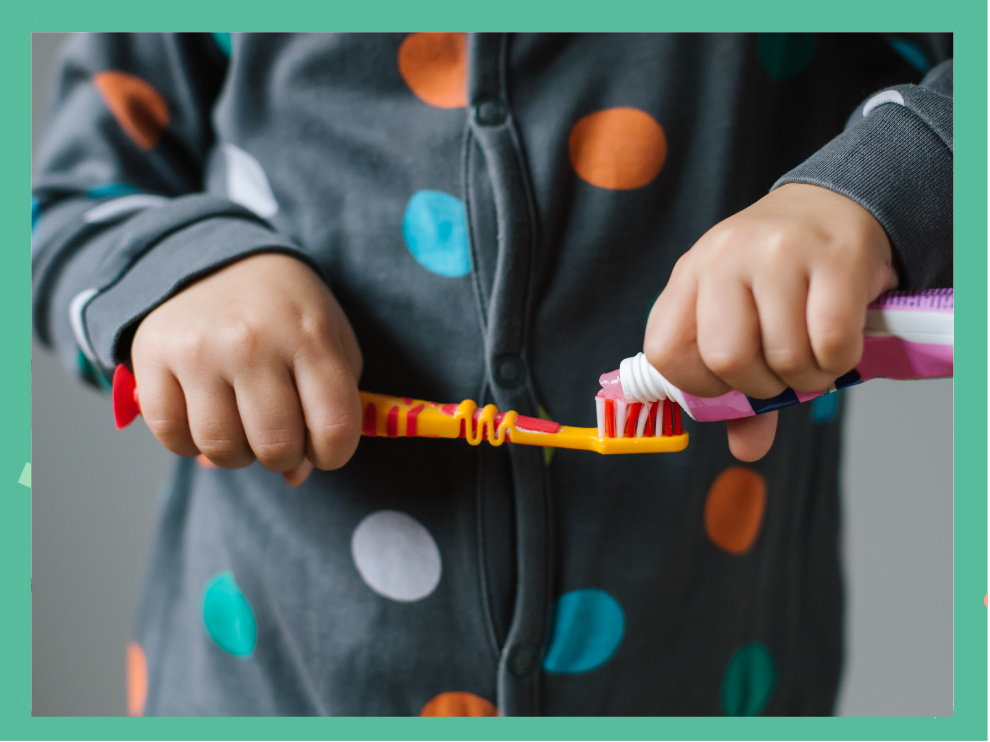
[(383, 415)]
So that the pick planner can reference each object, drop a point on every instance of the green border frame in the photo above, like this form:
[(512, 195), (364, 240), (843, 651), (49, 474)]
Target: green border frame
[(967, 19)]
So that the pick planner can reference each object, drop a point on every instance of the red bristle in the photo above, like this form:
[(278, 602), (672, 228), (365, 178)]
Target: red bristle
[(392, 423), (609, 418), (651, 421), (677, 419), (633, 419), (668, 428)]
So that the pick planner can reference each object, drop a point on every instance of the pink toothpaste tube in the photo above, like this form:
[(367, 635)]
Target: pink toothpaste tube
[(908, 335)]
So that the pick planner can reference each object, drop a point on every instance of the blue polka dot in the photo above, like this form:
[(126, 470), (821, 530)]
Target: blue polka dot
[(823, 408), (912, 54), (228, 616), (106, 190), (435, 229), (586, 629), (223, 41), (749, 681)]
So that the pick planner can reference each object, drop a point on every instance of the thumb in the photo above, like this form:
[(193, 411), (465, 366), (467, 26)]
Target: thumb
[(751, 437)]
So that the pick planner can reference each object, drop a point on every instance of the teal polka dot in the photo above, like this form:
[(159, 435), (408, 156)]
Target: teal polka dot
[(435, 229), (586, 629), (785, 55), (223, 41), (106, 190), (749, 681), (90, 373), (912, 54), (228, 616), (823, 408), (35, 211)]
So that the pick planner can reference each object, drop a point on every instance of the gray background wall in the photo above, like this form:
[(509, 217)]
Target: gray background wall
[(95, 499)]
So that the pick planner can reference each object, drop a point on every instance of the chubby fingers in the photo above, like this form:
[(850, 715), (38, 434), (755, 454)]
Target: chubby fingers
[(729, 337), (836, 316), (671, 344), (326, 373), (271, 415), (163, 406), (782, 303)]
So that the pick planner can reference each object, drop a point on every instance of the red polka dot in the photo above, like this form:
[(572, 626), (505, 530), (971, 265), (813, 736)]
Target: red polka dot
[(434, 66), (458, 703), (137, 679), (140, 110), (205, 462), (734, 509), (618, 148)]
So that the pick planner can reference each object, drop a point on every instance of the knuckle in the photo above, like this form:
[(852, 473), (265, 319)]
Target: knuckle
[(726, 363), (168, 429), (242, 339), (278, 448), (836, 349), (657, 352), (337, 441), (787, 361), (314, 327), (223, 451), (192, 347)]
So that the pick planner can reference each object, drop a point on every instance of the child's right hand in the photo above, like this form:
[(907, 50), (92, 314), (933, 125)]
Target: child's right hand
[(255, 361)]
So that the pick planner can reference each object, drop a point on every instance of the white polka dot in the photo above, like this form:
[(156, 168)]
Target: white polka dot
[(119, 207), (887, 96), (247, 184), (396, 556)]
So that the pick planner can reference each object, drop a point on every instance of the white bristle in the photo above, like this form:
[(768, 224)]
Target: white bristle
[(620, 418), (600, 409), (644, 415)]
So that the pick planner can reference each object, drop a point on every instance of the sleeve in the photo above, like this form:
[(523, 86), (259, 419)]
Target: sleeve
[(894, 158), (119, 219)]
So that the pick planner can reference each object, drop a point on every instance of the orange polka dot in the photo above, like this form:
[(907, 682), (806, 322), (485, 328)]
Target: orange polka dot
[(137, 679), (985, 600), (205, 462), (734, 509), (618, 148), (434, 66), (140, 110), (458, 703)]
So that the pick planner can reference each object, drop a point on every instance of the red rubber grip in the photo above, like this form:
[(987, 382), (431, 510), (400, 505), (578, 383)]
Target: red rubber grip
[(126, 405)]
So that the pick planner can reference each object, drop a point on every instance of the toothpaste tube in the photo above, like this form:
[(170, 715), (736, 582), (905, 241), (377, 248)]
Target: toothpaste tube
[(908, 335)]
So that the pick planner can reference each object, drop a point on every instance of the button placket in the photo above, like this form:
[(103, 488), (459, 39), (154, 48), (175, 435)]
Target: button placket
[(506, 330)]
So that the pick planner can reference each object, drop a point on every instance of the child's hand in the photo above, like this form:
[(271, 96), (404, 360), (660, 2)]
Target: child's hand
[(256, 360), (772, 297)]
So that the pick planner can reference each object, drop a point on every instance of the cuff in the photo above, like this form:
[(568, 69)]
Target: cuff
[(157, 254), (895, 160)]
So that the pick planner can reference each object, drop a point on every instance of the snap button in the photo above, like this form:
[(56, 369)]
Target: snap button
[(522, 659), (509, 371), (491, 112)]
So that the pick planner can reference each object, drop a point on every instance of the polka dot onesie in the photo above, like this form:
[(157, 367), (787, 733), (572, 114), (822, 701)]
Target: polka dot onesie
[(496, 214)]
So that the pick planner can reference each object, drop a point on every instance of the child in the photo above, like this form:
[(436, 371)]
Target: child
[(259, 225)]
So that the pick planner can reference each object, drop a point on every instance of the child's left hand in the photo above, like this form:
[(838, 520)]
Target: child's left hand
[(772, 297)]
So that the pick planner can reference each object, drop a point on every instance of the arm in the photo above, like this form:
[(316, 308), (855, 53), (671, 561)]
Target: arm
[(776, 295), (123, 235)]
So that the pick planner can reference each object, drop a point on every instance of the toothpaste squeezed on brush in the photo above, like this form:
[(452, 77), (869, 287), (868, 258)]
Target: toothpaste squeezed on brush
[(908, 335)]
